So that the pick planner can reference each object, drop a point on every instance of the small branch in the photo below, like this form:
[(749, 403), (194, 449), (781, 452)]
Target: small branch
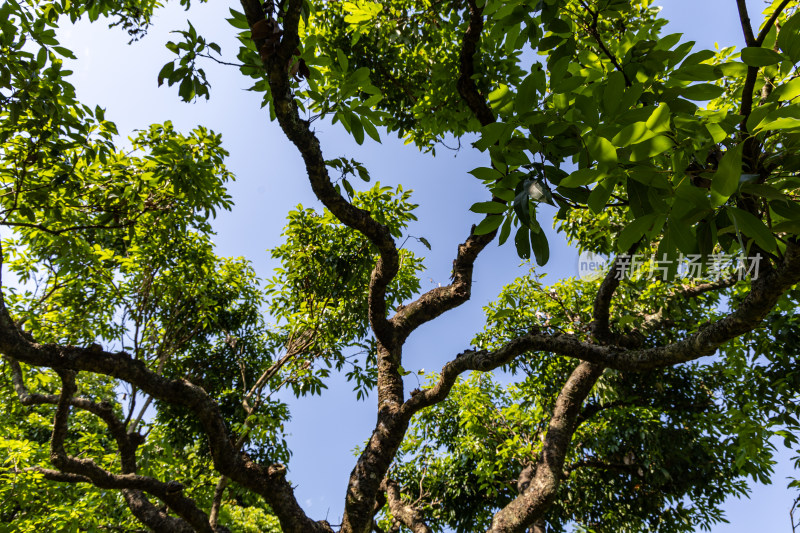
[(593, 31), (768, 25), (404, 513), (601, 313), (216, 504), (744, 18)]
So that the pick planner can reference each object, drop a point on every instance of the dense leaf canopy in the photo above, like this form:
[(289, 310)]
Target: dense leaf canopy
[(140, 369)]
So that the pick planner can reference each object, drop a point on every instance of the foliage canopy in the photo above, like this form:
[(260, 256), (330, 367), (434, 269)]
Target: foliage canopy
[(139, 366)]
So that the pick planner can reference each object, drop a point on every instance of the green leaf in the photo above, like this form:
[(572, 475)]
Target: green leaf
[(755, 56), (787, 91), (601, 194), (488, 224), (501, 99), (522, 242), (505, 231), (702, 91), (581, 177), (789, 38), (541, 249), (638, 198), (782, 123), (726, 178), (651, 148), (631, 134), (786, 208), (754, 228), (601, 150), (357, 129), (342, 59), (486, 174), (762, 189), (634, 231), (488, 207), (659, 119), (238, 20), (370, 129), (613, 92)]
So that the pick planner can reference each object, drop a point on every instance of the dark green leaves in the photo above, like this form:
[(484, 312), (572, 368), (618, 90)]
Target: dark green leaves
[(726, 178), (760, 57), (488, 224), (789, 38), (751, 226), (488, 207)]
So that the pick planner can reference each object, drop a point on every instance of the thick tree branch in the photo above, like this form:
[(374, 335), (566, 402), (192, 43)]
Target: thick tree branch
[(270, 482), (170, 492), (763, 295), (531, 504), (299, 133), (441, 299), (466, 84), (601, 313)]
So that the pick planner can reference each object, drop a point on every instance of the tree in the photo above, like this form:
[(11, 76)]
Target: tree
[(143, 365)]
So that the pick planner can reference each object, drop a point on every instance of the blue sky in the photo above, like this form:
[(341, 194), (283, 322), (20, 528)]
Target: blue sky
[(271, 181)]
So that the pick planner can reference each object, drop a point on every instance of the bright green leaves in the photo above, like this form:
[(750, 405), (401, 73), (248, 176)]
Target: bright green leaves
[(650, 148), (361, 12), (602, 150), (726, 178), (789, 38), (488, 207), (322, 284), (659, 120), (612, 95), (501, 100), (632, 134), (488, 224), (645, 225)]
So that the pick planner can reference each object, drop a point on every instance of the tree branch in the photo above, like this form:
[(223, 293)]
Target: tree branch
[(170, 492), (744, 19), (601, 313), (441, 299), (466, 83), (768, 25), (403, 512), (531, 504)]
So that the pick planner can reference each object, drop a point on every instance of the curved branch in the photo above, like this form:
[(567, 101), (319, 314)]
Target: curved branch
[(403, 512), (531, 504), (768, 25), (170, 493), (441, 299), (466, 83), (744, 19), (270, 482), (763, 295), (601, 312), (299, 133)]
